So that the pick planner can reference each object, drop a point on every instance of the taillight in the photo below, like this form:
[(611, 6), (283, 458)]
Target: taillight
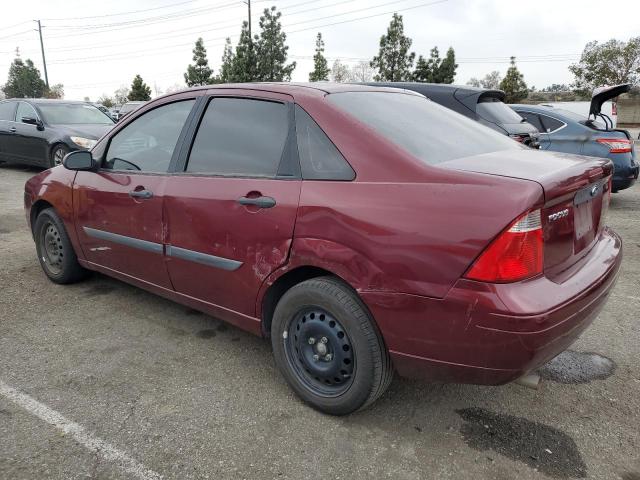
[(616, 145), (516, 254)]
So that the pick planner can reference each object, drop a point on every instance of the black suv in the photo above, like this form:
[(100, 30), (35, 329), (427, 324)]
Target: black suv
[(482, 105)]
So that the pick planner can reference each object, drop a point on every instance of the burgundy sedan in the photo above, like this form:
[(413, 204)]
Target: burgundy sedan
[(364, 230)]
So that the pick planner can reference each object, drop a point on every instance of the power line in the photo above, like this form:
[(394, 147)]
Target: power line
[(121, 13)]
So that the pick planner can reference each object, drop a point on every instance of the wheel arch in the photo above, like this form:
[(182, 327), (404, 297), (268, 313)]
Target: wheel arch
[(36, 208)]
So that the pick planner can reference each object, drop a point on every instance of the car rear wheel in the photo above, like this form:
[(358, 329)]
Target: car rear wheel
[(57, 155), (327, 347), (55, 252)]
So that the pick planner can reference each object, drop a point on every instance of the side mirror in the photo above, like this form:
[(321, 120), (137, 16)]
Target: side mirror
[(32, 121), (80, 160)]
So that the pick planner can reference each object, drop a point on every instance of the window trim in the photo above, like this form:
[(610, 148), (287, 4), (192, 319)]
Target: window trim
[(176, 151), (289, 152)]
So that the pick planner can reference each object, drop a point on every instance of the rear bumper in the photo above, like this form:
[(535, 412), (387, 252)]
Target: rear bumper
[(494, 333), (625, 178)]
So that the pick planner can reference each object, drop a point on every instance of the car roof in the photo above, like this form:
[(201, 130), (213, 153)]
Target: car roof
[(42, 101), (295, 88)]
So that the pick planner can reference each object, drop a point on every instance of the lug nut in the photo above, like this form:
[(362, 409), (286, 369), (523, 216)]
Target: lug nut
[(328, 357), (312, 340), (316, 357), (324, 340)]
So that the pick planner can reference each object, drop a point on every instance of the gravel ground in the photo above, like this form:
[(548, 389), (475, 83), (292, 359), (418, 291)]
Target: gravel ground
[(124, 384)]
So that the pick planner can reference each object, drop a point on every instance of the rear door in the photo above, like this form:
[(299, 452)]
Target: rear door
[(7, 128), (534, 119), (120, 208), (231, 208)]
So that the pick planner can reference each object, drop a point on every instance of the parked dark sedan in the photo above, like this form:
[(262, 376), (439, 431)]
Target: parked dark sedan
[(364, 230), (479, 104), (41, 132), (565, 131)]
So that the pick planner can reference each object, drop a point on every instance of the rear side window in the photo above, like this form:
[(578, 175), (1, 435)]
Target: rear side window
[(550, 124), (240, 137), (7, 110), (533, 119), (148, 142), (319, 157), (428, 131)]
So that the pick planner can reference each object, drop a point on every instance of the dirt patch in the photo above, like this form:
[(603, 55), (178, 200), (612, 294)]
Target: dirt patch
[(99, 290), (540, 446), (207, 333)]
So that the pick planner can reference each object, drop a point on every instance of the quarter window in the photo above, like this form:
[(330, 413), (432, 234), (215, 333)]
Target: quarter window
[(240, 137), (533, 119), (147, 143), (550, 124), (6, 111), (319, 157), (25, 110)]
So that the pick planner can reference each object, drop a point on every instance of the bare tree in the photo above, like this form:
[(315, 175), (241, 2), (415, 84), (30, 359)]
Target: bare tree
[(361, 72), (339, 72)]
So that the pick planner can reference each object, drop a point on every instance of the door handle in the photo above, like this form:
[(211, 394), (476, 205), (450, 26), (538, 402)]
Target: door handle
[(141, 194), (12, 129), (260, 202)]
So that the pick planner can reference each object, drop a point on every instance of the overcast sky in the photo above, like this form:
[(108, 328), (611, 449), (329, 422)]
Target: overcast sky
[(95, 46)]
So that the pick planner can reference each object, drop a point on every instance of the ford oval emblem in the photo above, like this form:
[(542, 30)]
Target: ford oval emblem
[(594, 190)]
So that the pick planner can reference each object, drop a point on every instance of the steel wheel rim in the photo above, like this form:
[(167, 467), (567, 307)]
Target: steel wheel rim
[(58, 156), (319, 352), (51, 249)]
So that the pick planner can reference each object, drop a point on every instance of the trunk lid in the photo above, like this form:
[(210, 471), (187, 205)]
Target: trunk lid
[(576, 194), (602, 94)]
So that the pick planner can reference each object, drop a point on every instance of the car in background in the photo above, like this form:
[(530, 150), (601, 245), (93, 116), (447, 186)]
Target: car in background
[(565, 131), (606, 106), (129, 107), (480, 104), (103, 109), (362, 229), (41, 132)]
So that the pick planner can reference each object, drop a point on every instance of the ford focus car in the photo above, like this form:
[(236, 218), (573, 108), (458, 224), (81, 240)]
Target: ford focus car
[(365, 230)]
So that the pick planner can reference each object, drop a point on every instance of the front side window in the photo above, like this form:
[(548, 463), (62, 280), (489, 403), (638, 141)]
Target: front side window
[(550, 124), (426, 130), (147, 143), (25, 111), (240, 137), (7, 110)]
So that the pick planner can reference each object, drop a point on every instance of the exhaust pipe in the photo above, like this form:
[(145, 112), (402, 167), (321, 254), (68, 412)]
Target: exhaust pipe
[(530, 380)]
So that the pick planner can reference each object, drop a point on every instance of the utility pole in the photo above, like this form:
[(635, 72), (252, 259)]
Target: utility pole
[(248, 2), (44, 62)]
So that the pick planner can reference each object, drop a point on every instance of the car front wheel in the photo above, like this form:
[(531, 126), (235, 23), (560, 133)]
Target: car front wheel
[(55, 252), (327, 347), (57, 155)]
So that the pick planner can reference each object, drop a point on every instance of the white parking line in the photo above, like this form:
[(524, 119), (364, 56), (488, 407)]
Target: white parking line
[(95, 445)]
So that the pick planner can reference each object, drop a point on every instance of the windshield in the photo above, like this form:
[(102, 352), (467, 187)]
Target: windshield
[(493, 110), (73, 114), (428, 131)]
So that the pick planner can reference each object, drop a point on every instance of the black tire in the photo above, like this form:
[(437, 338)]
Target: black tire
[(57, 154), (55, 252), (331, 309)]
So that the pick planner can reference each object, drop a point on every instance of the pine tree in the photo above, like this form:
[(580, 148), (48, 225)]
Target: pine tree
[(139, 90), (226, 69), (272, 50), (24, 80), (513, 84), (244, 68), (447, 69), (393, 62), (199, 73), (320, 66)]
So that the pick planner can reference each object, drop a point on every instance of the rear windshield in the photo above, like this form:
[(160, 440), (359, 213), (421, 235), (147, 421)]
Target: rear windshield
[(493, 110), (73, 114), (428, 131)]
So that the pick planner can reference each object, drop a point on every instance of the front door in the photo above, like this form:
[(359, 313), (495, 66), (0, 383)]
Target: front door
[(120, 208), (231, 212), (29, 143)]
